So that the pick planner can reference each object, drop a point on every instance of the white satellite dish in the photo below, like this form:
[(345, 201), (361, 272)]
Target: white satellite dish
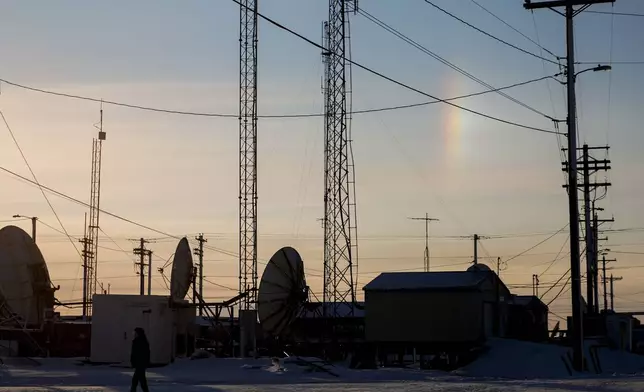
[(24, 279), (182, 271), (282, 291)]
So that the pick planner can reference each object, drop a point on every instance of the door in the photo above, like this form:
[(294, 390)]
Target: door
[(132, 317)]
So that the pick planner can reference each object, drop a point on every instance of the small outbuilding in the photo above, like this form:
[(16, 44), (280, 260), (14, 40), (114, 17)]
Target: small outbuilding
[(527, 318), (438, 310), (168, 325)]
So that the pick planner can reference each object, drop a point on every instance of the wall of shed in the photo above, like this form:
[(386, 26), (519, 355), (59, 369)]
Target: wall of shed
[(415, 316), (114, 318)]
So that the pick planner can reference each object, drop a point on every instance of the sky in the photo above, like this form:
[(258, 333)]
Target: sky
[(179, 174)]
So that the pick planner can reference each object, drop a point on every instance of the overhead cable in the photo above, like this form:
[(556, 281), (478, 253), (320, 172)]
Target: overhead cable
[(515, 29), (37, 183), (615, 13), (490, 35), (394, 81), (458, 69), (537, 244), (269, 116), (69, 198)]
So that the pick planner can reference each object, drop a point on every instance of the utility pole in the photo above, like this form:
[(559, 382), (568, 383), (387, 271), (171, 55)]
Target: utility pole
[(33, 228), (199, 253), (86, 257), (194, 287), (141, 252), (612, 291), (589, 165), (573, 208), (149, 272), (605, 280), (427, 219), (476, 248), (535, 285)]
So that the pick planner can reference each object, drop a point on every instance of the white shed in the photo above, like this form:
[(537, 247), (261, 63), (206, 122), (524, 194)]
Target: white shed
[(114, 318)]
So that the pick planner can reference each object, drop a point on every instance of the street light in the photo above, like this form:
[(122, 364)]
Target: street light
[(598, 68), (33, 224)]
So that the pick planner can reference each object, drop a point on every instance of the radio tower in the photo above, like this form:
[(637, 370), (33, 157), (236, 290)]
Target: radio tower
[(94, 206), (248, 152), (340, 253)]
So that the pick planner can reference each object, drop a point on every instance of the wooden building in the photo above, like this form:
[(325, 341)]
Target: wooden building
[(436, 310)]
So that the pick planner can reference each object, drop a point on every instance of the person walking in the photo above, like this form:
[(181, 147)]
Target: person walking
[(139, 359)]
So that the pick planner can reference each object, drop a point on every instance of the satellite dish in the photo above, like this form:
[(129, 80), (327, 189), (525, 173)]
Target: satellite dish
[(182, 270), (24, 279), (282, 291)]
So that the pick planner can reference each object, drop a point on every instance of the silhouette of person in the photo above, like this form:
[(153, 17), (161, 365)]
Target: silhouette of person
[(140, 359)]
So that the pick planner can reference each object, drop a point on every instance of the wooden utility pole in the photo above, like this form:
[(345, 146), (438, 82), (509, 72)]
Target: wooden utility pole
[(589, 165), (199, 253), (149, 272), (86, 257), (142, 253), (535, 285), (573, 207), (427, 219), (476, 248), (612, 290), (605, 279)]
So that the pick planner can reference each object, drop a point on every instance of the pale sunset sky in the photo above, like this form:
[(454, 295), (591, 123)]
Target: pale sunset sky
[(179, 174)]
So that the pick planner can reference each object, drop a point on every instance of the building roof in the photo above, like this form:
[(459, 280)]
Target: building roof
[(427, 280), (526, 300)]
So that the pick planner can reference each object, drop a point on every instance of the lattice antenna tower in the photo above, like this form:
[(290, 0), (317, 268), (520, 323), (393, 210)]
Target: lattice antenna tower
[(94, 208), (248, 152), (340, 261)]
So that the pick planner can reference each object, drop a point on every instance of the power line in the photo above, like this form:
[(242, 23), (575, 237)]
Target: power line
[(556, 257), (69, 198), (558, 280), (515, 29), (615, 13), (611, 62), (273, 116), (424, 49), (37, 183), (394, 81), (219, 285), (490, 35), (560, 291), (537, 244)]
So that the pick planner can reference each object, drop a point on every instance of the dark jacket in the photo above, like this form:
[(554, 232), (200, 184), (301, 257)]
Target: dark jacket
[(140, 354)]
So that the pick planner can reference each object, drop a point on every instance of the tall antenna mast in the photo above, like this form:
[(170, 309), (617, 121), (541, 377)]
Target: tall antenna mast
[(248, 152), (94, 208), (427, 219), (340, 263)]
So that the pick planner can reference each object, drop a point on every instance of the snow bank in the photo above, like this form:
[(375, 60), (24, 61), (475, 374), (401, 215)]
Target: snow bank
[(514, 359), (613, 362), (519, 360)]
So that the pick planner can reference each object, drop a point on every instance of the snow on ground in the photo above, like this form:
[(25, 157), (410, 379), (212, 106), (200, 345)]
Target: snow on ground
[(534, 367), (526, 360)]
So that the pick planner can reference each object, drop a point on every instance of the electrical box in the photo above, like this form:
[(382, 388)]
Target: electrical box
[(114, 318)]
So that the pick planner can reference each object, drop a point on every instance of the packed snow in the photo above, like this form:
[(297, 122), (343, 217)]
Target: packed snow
[(506, 366)]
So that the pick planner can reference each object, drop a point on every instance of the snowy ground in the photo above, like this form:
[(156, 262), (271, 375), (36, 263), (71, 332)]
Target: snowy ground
[(534, 367)]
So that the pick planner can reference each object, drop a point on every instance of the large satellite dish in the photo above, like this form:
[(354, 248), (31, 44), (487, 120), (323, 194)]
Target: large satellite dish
[(182, 270), (282, 291), (24, 280)]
